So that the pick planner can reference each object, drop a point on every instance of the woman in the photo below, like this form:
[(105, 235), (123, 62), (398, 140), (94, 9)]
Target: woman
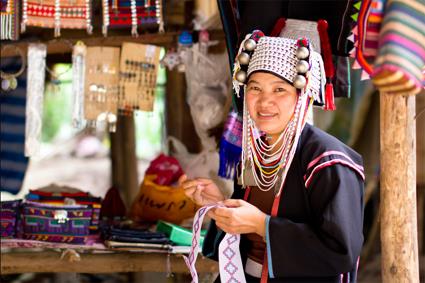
[(298, 200)]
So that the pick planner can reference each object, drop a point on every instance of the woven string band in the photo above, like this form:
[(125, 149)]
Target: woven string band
[(230, 262)]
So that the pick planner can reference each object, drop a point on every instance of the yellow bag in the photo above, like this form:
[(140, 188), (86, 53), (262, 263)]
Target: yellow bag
[(155, 202)]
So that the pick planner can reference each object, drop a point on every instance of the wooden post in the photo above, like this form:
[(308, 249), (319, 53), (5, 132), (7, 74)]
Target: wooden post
[(128, 142), (124, 160), (398, 189), (179, 120)]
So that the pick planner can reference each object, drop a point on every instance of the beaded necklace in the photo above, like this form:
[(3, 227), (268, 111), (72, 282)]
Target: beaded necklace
[(269, 162)]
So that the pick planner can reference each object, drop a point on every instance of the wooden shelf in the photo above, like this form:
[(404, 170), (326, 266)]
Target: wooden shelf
[(63, 45), (51, 262)]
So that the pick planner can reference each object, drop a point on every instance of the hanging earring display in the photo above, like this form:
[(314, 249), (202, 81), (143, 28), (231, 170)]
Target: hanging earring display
[(101, 85), (79, 53), (138, 71), (35, 94), (9, 80), (9, 18), (57, 14)]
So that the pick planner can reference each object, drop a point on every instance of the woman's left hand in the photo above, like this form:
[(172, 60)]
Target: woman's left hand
[(239, 217)]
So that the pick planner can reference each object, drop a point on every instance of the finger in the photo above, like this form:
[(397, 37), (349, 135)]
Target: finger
[(224, 212), (182, 179), (197, 195), (233, 202), (189, 183), (204, 181), (226, 227), (189, 192), (211, 213)]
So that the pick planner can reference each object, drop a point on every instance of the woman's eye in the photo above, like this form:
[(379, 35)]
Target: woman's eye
[(280, 89), (255, 88)]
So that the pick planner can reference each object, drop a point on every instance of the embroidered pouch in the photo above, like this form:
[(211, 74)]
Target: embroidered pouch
[(9, 215), (48, 196), (56, 223)]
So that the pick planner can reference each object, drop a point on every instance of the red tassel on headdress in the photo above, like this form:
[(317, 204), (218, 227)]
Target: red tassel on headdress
[(322, 26), (278, 26)]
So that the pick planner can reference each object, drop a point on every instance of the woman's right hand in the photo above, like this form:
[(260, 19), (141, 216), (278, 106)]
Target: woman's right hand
[(201, 191)]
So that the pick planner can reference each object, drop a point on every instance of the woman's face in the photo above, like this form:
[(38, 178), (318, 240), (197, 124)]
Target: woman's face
[(271, 102)]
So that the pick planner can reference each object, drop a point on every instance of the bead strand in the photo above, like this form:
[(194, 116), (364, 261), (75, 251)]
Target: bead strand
[(105, 18), (88, 17), (133, 18)]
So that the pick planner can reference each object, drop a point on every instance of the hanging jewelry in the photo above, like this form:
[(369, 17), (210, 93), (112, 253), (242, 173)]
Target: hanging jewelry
[(88, 17), (9, 81), (78, 79), (159, 16), (35, 94), (24, 15), (133, 18), (105, 17), (57, 18), (6, 19)]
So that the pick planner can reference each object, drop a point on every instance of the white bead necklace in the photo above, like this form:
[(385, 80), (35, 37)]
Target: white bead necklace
[(262, 156)]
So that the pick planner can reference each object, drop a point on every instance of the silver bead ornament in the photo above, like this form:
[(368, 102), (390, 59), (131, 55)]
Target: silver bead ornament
[(299, 82), (302, 52), (302, 66), (250, 44), (5, 84), (241, 76), (244, 58)]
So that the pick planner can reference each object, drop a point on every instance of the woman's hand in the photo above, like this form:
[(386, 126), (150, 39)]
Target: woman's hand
[(201, 191), (239, 217)]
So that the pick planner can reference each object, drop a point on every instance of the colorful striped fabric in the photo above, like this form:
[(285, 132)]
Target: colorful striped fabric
[(373, 26), (9, 17), (13, 163), (120, 15), (400, 62), (74, 14)]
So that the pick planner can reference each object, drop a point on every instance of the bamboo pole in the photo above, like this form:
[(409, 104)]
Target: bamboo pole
[(398, 189)]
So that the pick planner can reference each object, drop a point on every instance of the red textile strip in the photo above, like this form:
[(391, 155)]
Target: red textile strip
[(360, 34), (279, 25)]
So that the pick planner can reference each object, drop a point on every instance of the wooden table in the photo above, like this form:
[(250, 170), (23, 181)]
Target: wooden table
[(48, 261)]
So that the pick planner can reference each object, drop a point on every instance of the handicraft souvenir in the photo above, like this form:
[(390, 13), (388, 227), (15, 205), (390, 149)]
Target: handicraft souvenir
[(56, 223), (9, 215), (101, 86), (132, 13), (394, 60), (57, 14), (63, 195), (138, 72), (35, 94), (9, 81), (9, 16), (78, 76)]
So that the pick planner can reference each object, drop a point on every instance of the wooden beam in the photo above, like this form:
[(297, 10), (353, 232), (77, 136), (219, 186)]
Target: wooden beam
[(398, 189), (64, 45), (50, 261)]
